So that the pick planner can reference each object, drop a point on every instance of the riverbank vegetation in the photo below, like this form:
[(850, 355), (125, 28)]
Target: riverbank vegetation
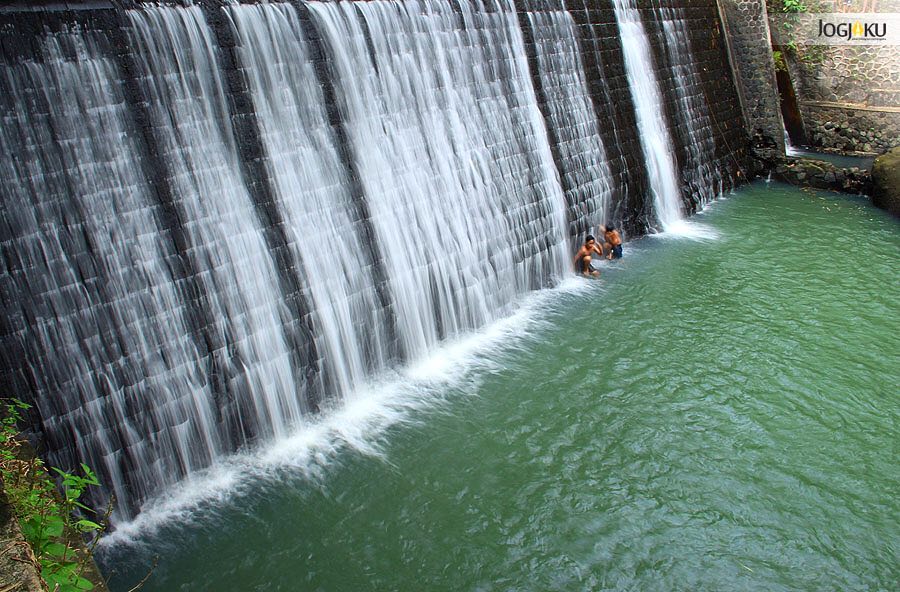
[(54, 523)]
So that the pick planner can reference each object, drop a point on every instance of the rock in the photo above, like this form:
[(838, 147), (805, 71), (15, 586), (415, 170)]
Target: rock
[(830, 177), (801, 175), (16, 570), (816, 167), (886, 182)]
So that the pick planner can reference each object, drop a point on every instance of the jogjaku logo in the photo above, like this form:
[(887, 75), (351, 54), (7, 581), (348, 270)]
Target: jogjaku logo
[(853, 31)]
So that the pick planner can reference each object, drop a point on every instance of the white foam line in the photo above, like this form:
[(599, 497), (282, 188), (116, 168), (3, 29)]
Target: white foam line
[(690, 228), (687, 229), (358, 423)]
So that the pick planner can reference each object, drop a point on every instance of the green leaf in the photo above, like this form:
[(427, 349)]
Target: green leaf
[(87, 525), (31, 528), (55, 549), (51, 526), (55, 578), (67, 568), (90, 478), (39, 530)]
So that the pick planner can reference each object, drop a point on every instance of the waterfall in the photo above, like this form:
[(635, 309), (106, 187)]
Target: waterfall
[(703, 173), (117, 375), (656, 142), (586, 177), (261, 390), (314, 194), (789, 148), (186, 97), (214, 230), (450, 146)]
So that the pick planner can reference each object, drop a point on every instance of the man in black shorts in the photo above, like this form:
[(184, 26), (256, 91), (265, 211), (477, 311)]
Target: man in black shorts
[(613, 244)]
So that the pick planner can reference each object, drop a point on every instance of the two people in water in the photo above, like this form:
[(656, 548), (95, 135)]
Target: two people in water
[(612, 247)]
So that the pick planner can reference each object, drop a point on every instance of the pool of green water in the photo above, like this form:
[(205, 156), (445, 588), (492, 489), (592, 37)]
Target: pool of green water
[(716, 414), (838, 160)]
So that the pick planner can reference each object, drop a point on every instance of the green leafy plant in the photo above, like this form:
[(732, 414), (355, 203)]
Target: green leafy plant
[(51, 523), (780, 64), (809, 57), (794, 6)]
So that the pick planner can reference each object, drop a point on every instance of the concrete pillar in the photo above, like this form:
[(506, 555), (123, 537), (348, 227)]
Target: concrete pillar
[(746, 26)]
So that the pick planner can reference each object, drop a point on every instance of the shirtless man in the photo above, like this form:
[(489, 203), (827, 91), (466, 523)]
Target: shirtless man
[(583, 258), (613, 244)]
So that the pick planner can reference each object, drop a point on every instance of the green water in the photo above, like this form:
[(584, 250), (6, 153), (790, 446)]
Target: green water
[(711, 415)]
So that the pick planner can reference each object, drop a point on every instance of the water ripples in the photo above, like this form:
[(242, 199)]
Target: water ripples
[(710, 415)]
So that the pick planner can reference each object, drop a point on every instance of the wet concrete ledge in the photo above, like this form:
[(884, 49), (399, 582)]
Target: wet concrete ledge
[(53, 6)]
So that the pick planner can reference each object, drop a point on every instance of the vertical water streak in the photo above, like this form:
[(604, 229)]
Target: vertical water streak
[(789, 148), (184, 90), (314, 193), (453, 157), (586, 174), (98, 311), (656, 141), (703, 173)]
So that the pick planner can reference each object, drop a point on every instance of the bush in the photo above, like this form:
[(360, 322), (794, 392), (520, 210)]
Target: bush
[(52, 523)]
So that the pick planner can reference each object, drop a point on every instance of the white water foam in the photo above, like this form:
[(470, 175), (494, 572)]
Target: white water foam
[(790, 149), (358, 425), (688, 229)]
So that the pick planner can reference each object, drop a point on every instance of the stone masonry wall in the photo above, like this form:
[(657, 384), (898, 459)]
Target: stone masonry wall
[(749, 42), (849, 97), (713, 87)]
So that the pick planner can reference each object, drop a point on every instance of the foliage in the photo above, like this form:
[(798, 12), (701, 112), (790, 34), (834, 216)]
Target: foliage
[(48, 520), (810, 56), (780, 64), (794, 6)]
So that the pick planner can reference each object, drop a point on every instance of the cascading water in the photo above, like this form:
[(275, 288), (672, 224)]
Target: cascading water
[(703, 173), (314, 194), (462, 162), (386, 163), (586, 177), (789, 147), (656, 141), (240, 289), (118, 377)]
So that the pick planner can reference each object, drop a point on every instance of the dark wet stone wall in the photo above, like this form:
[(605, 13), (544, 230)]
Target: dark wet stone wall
[(24, 369)]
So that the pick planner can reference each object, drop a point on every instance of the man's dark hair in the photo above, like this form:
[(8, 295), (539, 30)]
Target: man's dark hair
[(610, 227), (589, 238)]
